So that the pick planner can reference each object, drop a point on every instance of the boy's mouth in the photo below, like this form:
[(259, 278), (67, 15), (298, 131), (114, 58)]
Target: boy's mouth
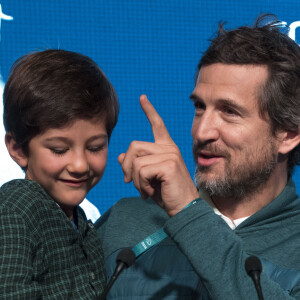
[(72, 182)]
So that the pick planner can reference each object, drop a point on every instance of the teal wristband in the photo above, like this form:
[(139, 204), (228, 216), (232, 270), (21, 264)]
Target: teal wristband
[(155, 238)]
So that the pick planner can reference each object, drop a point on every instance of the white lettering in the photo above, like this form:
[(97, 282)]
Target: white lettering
[(4, 17), (293, 27)]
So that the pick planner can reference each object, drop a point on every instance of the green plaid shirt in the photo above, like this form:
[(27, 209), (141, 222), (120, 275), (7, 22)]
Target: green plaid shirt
[(42, 256)]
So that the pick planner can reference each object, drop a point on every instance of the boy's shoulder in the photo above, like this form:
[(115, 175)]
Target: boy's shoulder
[(21, 195)]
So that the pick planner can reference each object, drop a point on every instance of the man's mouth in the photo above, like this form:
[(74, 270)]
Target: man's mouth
[(206, 159)]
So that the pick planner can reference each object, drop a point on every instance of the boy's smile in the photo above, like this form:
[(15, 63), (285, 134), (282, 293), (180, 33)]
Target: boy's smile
[(67, 162)]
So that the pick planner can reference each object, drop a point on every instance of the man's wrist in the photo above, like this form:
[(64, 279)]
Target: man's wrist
[(176, 211)]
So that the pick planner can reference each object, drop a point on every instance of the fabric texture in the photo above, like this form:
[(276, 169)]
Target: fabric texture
[(42, 256), (203, 258)]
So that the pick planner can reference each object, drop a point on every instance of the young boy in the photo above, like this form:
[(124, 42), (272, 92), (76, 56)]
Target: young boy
[(59, 113)]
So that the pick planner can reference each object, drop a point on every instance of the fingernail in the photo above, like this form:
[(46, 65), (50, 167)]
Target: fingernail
[(144, 97)]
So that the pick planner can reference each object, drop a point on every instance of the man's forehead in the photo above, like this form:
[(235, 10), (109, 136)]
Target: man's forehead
[(222, 80), (233, 72)]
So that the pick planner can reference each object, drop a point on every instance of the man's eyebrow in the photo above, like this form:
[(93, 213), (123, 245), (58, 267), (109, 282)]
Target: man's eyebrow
[(232, 104), (194, 97), (225, 102)]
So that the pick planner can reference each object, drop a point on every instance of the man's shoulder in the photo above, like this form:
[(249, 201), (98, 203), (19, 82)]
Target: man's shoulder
[(128, 222), (137, 204), (134, 210)]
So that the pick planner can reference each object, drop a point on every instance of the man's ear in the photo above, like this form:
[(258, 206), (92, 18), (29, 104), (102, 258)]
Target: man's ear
[(15, 151), (289, 140)]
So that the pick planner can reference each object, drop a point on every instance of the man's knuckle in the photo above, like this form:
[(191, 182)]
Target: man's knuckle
[(172, 164), (142, 172), (136, 164), (133, 145), (174, 156)]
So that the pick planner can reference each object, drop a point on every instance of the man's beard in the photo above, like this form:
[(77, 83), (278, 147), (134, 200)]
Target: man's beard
[(241, 180)]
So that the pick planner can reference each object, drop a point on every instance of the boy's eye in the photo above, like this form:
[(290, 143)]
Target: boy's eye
[(96, 149), (58, 151)]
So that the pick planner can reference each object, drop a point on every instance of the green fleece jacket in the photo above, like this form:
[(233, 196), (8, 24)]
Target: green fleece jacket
[(42, 256), (203, 258)]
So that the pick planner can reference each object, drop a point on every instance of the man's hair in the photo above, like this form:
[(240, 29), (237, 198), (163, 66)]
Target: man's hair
[(265, 44), (53, 88)]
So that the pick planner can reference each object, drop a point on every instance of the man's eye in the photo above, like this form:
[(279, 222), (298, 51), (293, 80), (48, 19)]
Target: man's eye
[(230, 111), (199, 105), (58, 151)]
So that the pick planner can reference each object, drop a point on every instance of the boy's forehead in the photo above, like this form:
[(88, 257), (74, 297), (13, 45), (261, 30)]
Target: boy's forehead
[(97, 121), (83, 127)]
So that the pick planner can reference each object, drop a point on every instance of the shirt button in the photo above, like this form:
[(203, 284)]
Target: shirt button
[(93, 276), (91, 225)]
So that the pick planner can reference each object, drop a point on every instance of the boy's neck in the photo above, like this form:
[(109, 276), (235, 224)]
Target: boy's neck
[(68, 210)]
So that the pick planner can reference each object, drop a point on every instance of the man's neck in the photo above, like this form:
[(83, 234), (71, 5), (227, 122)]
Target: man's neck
[(250, 204)]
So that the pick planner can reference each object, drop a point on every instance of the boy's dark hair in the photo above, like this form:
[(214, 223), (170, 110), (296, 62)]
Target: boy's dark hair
[(53, 88), (265, 44)]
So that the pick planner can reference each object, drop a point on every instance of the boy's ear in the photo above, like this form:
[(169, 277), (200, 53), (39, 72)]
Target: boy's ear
[(15, 151), (289, 141)]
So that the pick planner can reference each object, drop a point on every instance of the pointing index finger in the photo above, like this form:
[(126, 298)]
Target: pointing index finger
[(159, 130)]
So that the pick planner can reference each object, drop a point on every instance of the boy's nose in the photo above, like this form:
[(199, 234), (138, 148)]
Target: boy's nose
[(78, 164)]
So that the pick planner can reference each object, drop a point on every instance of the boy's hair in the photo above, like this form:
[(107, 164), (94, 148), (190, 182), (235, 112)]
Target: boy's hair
[(53, 88), (265, 44)]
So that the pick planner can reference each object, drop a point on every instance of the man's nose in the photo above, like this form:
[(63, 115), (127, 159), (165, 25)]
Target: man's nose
[(206, 128)]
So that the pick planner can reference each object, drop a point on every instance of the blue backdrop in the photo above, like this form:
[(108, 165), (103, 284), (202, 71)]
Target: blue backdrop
[(143, 46)]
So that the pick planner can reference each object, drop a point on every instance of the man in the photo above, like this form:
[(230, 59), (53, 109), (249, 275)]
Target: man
[(246, 134)]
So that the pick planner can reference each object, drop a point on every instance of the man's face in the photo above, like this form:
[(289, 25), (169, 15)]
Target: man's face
[(234, 149)]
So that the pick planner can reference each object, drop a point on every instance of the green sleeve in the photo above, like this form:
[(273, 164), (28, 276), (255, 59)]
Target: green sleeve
[(217, 255), (16, 255)]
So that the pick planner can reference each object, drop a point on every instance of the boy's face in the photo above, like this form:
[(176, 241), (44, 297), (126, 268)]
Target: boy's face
[(67, 162)]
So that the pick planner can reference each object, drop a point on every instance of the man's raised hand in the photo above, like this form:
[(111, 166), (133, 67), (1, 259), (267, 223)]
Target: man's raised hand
[(157, 169)]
